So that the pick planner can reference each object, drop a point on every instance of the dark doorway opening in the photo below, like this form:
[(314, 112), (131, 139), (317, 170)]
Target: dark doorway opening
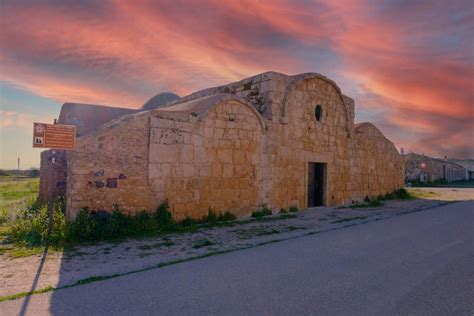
[(316, 173)]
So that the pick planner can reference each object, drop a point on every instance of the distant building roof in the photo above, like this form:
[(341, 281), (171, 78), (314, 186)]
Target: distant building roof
[(160, 100), (87, 117)]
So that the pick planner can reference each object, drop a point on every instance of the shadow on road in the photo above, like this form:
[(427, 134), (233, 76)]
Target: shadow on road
[(24, 306), (63, 300)]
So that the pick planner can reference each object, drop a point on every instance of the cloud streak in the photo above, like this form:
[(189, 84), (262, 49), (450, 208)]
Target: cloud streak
[(409, 65)]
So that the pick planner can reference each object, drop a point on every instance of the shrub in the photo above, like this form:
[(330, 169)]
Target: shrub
[(403, 194), (30, 227), (283, 210), (3, 216), (400, 194), (375, 203), (188, 222), (163, 217), (211, 217), (101, 225)]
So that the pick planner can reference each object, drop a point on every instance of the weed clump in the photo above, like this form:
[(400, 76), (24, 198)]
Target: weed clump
[(286, 216), (101, 225), (226, 217), (30, 227), (400, 194), (202, 243), (263, 211), (214, 219), (371, 203), (293, 209)]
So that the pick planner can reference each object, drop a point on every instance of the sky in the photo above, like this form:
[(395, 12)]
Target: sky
[(408, 64)]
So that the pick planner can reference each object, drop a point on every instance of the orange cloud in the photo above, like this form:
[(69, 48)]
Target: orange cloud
[(408, 64)]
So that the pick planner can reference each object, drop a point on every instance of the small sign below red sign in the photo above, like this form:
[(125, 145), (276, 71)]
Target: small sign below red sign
[(56, 136)]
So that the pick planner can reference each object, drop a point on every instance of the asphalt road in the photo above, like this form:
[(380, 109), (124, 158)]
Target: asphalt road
[(420, 263)]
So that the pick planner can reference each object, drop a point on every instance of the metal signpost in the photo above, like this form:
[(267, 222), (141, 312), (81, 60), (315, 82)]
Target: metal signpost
[(55, 136)]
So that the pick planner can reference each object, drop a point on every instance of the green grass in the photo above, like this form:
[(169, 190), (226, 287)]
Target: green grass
[(256, 232), (15, 195), (293, 209), (94, 279), (422, 194), (262, 211), (21, 252), (24, 294), (349, 219), (372, 203)]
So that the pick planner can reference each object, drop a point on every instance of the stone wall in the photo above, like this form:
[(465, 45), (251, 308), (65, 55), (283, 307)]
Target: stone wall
[(376, 166), (87, 118), (303, 139), (110, 166), (234, 148), (210, 162)]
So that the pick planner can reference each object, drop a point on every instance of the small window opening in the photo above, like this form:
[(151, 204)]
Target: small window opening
[(318, 112)]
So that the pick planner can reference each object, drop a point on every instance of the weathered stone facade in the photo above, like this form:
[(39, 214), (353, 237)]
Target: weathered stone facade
[(87, 118), (424, 168), (233, 148)]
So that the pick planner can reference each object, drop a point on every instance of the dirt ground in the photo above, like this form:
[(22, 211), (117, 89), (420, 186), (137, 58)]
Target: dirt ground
[(88, 262), (444, 193)]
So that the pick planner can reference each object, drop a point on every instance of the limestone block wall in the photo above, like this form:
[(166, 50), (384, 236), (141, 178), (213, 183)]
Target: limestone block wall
[(211, 162), (305, 139), (233, 148), (376, 166), (110, 166), (265, 92)]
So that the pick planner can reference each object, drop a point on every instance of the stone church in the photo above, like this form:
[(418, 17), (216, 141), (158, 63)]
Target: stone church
[(269, 139)]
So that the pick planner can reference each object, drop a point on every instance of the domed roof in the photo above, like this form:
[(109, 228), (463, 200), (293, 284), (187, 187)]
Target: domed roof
[(160, 100)]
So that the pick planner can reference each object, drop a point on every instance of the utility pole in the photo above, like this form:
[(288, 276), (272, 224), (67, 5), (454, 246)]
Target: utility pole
[(52, 188), (18, 172)]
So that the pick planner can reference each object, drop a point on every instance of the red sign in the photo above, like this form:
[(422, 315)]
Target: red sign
[(55, 136)]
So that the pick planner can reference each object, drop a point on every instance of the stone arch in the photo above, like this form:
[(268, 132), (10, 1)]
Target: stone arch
[(200, 108), (223, 98), (306, 77)]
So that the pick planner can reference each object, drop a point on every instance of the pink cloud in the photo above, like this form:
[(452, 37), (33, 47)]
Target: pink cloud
[(412, 62)]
